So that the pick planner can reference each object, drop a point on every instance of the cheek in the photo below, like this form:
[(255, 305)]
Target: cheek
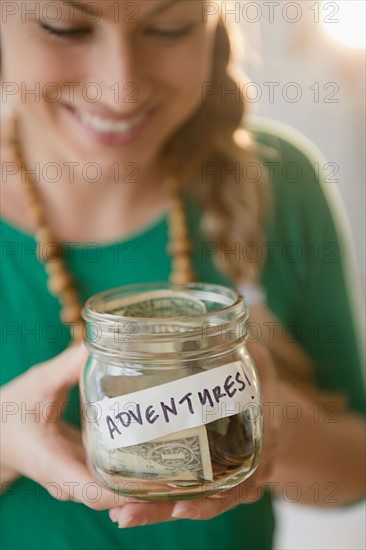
[(32, 60), (187, 72), (30, 68), (49, 65)]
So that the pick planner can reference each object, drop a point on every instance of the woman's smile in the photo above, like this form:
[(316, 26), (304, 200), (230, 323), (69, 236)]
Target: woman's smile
[(113, 130)]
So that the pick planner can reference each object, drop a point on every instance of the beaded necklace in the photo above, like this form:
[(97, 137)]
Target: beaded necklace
[(60, 282)]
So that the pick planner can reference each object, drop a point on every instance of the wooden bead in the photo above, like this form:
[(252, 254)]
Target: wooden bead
[(178, 218), (71, 313), (60, 283), (48, 248), (49, 252), (176, 236), (70, 297), (181, 260), (181, 263), (44, 234), (55, 268), (178, 232), (176, 205), (78, 331), (29, 187), (183, 277), (36, 213), (179, 248), (32, 196)]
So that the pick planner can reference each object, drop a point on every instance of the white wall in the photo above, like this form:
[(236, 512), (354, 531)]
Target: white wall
[(302, 528), (296, 52), (335, 121)]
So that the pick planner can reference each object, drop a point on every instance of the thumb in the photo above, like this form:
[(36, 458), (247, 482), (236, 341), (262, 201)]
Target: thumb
[(63, 371)]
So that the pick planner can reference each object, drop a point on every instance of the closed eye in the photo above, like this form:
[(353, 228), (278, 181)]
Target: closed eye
[(65, 33), (171, 34)]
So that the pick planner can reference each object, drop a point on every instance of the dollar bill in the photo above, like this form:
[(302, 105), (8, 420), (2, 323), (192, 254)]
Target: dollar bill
[(182, 456), (157, 303)]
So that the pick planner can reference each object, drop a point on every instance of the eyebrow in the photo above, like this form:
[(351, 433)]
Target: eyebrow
[(163, 7), (89, 9), (85, 8)]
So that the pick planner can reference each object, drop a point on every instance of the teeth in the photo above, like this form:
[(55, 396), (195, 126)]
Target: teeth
[(107, 126)]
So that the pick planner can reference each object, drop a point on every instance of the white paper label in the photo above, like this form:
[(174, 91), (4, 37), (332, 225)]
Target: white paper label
[(185, 403)]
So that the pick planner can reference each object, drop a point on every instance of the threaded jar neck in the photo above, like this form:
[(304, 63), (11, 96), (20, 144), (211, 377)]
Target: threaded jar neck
[(165, 322)]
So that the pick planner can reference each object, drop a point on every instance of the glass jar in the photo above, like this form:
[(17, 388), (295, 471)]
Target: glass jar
[(171, 401)]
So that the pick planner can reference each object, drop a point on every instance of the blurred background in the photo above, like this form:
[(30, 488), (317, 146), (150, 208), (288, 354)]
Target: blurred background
[(307, 60)]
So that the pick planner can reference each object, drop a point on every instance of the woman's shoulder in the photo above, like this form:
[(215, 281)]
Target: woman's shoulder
[(300, 175), (290, 156), (279, 142)]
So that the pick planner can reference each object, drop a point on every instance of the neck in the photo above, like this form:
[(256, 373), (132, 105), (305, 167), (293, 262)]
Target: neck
[(89, 202), (54, 207)]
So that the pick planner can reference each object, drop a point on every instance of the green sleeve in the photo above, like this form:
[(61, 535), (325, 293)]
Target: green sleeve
[(318, 272)]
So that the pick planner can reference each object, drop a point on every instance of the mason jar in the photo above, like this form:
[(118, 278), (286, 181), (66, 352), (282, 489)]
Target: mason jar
[(170, 396)]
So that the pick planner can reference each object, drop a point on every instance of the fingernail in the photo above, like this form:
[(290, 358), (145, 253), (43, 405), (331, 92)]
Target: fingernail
[(185, 513), (131, 521), (113, 514)]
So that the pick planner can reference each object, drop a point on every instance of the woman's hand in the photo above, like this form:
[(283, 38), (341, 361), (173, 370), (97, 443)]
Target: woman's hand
[(38, 444), (132, 514)]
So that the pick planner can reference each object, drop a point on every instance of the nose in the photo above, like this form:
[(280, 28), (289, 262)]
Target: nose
[(122, 75)]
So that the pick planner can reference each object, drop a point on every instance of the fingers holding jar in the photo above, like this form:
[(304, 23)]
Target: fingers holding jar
[(148, 513)]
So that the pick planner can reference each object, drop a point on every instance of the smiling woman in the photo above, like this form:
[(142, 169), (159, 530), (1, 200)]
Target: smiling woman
[(108, 69), (122, 133)]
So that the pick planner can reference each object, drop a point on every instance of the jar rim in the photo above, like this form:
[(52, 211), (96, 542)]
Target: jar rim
[(91, 312)]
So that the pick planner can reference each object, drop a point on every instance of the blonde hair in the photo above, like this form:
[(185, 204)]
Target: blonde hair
[(235, 209)]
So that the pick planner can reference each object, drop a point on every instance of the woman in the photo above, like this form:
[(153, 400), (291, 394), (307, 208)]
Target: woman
[(128, 127)]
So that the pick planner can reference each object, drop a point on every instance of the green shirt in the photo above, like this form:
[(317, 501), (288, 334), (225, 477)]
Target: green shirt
[(308, 286)]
